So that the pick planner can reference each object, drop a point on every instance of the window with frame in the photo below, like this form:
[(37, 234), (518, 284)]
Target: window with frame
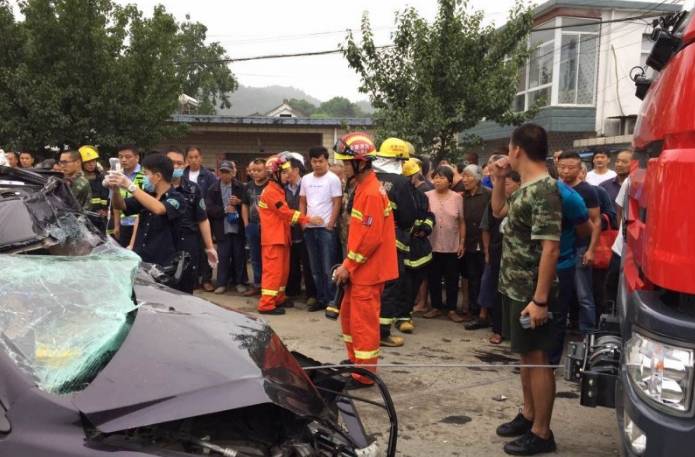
[(536, 77), (562, 68)]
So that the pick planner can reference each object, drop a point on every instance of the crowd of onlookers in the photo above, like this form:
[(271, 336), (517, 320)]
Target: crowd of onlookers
[(458, 195)]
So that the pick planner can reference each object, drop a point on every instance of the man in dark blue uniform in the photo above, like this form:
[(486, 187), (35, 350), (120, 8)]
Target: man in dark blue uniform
[(193, 226), (204, 179), (158, 204)]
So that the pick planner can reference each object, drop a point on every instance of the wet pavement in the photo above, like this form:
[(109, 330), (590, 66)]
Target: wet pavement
[(446, 411)]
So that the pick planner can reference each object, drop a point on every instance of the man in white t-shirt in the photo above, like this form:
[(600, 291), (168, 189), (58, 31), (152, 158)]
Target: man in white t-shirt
[(601, 172), (321, 195), (613, 275)]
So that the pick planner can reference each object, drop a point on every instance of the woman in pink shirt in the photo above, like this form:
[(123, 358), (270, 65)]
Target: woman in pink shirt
[(447, 239)]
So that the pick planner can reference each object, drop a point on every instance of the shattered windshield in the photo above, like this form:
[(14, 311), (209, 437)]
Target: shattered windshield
[(66, 299)]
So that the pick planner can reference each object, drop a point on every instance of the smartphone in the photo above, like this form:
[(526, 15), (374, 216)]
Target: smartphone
[(525, 321), (114, 164)]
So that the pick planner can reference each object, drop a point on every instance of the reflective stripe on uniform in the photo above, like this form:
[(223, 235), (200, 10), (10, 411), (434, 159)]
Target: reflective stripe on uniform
[(282, 289), (295, 217), (270, 293), (402, 247), (419, 262), (262, 205), (347, 338), (366, 355), (359, 258), (99, 201), (393, 205), (386, 320), (387, 210), (332, 309), (428, 222), (356, 214)]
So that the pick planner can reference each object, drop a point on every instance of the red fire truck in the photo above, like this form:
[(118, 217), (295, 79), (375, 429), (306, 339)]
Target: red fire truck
[(641, 360)]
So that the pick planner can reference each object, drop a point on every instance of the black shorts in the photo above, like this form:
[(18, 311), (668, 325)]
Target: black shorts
[(523, 340)]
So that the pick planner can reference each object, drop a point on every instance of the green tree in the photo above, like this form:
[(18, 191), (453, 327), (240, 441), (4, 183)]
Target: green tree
[(339, 107), (336, 107), (91, 71), (440, 79), (306, 108)]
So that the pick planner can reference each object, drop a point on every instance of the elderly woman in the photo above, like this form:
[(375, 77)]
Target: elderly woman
[(476, 198), (447, 239)]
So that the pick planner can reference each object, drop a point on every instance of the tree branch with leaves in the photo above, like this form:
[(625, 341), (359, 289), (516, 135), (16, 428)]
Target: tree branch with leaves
[(92, 71), (439, 79)]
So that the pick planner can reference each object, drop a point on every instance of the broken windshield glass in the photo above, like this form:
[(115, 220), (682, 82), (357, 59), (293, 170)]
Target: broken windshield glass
[(64, 316)]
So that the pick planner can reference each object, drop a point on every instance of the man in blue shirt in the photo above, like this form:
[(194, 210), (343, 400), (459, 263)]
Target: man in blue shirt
[(124, 225), (575, 224), (570, 169)]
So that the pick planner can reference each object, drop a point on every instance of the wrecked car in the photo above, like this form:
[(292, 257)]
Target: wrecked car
[(98, 358)]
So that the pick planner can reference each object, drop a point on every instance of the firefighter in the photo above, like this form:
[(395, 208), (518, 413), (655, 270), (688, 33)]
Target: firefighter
[(389, 167), (420, 254), (99, 203), (371, 255), (276, 218)]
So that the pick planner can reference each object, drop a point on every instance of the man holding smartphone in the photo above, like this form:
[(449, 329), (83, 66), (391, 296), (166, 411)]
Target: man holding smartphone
[(530, 250)]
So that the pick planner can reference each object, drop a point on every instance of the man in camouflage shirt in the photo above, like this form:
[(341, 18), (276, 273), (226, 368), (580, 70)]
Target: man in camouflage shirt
[(71, 165), (530, 251)]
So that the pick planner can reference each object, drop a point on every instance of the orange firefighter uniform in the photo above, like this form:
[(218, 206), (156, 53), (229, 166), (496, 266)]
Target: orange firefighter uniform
[(371, 261), (276, 218)]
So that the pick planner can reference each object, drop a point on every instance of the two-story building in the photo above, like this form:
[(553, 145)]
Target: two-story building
[(579, 72)]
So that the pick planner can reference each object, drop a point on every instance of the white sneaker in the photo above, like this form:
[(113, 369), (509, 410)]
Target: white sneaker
[(240, 288), (220, 290)]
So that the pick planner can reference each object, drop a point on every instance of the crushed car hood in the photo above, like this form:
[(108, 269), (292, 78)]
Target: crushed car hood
[(186, 357)]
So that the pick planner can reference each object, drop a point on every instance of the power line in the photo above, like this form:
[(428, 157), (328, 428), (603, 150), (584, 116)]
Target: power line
[(288, 37), (337, 51), (271, 56)]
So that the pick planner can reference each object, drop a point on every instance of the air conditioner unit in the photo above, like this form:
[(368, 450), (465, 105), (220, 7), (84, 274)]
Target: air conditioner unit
[(612, 127)]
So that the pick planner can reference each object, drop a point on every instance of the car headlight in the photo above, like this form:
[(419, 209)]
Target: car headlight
[(661, 372)]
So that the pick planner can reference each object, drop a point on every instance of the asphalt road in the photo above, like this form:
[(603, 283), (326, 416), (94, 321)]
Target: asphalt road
[(446, 411)]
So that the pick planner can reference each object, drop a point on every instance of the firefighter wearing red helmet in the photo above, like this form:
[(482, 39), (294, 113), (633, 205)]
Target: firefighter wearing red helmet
[(276, 218), (371, 258)]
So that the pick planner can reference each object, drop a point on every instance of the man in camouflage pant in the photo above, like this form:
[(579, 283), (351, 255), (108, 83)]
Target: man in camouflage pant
[(528, 284), (71, 165)]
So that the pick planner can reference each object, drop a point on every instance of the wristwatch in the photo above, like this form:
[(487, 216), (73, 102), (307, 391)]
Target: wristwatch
[(539, 303), (132, 187)]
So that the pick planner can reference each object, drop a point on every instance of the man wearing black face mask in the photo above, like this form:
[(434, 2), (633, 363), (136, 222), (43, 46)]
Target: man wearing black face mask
[(158, 205)]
